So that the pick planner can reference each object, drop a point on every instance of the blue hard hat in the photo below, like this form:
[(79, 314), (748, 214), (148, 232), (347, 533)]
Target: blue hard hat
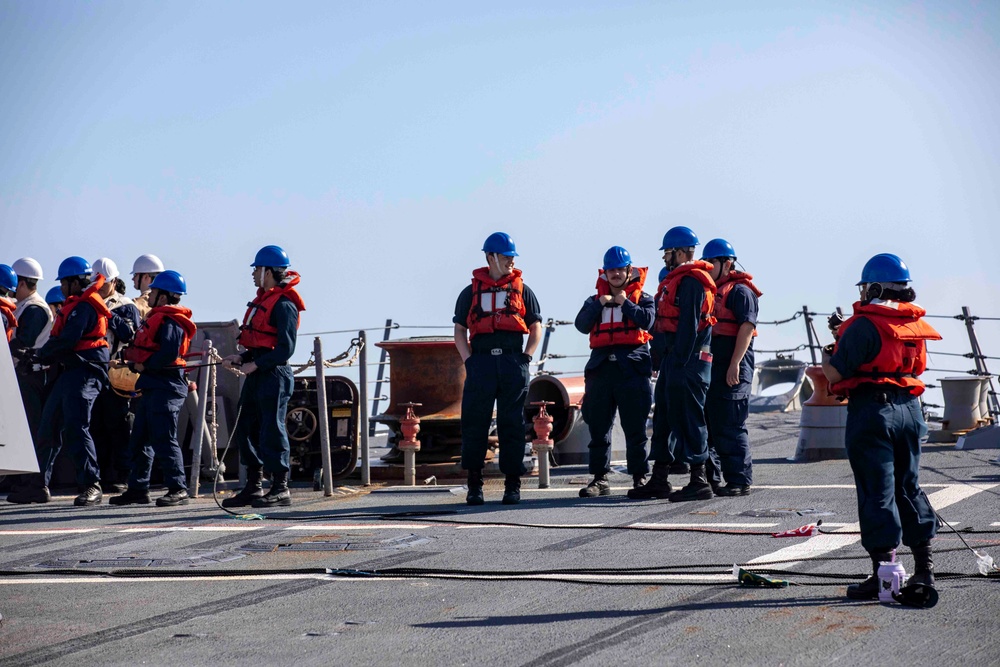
[(271, 255), (55, 295), (679, 237), (500, 243), (663, 274), (617, 257), (718, 248), (72, 267), (884, 268), (8, 279), (169, 281)]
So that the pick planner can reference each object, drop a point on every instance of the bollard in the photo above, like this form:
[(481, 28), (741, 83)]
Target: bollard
[(409, 445), (823, 422), (542, 444)]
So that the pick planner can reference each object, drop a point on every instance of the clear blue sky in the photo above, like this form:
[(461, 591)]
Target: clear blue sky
[(379, 143)]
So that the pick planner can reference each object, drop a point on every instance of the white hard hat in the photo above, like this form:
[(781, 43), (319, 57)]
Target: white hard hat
[(105, 267), (147, 264), (27, 267)]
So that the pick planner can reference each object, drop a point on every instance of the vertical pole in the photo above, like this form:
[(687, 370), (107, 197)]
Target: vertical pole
[(550, 326), (323, 414), (980, 361), (199, 428), (366, 473), (809, 332), (378, 380)]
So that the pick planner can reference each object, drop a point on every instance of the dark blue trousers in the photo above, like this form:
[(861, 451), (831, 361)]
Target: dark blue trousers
[(679, 429), (111, 427), (613, 386), (502, 379), (728, 440), (260, 430), (155, 432), (883, 446), (66, 421), (32, 386)]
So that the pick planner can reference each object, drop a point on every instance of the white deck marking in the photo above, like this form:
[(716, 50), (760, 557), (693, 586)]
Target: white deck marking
[(359, 526), (48, 531), (181, 529), (823, 544)]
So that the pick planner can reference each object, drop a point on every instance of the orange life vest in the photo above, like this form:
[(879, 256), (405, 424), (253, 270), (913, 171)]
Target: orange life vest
[(725, 319), (97, 336), (145, 345), (667, 311), (903, 355), (497, 305), (614, 329), (7, 307), (257, 332)]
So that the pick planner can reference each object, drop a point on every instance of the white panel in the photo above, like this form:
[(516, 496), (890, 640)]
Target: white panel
[(17, 452)]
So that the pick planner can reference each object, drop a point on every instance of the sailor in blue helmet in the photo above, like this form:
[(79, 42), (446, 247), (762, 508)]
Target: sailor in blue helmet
[(54, 298), (492, 317), (157, 354), (684, 313), (618, 319), (268, 334), (727, 403), (78, 344), (876, 362)]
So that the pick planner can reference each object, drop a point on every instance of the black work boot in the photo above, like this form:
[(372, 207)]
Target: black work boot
[(249, 493), (173, 498), (131, 497), (697, 489), (730, 490), (511, 490), (868, 589), (657, 487), (598, 487), (475, 484), (919, 590), (33, 490), (90, 495), (278, 495)]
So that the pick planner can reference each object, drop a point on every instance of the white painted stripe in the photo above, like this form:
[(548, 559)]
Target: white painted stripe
[(181, 529), (825, 543), (652, 578), (360, 526), (45, 531), (704, 525)]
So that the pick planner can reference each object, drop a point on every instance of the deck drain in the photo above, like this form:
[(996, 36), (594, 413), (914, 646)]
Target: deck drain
[(787, 511)]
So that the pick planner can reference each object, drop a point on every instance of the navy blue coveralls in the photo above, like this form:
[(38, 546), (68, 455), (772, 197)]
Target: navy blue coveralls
[(263, 405), (496, 371), (112, 417), (726, 407), (679, 430), (617, 378), (30, 382), (164, 389), (66, 416), (884, 426)]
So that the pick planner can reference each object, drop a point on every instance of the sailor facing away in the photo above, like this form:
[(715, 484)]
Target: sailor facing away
[(876, 362)]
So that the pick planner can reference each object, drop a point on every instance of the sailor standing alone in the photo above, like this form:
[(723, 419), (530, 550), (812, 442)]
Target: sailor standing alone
[(492, 316)]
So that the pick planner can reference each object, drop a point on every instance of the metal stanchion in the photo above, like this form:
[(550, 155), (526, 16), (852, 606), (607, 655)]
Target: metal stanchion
[(324, 417), (366, 473), (199, 431)]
